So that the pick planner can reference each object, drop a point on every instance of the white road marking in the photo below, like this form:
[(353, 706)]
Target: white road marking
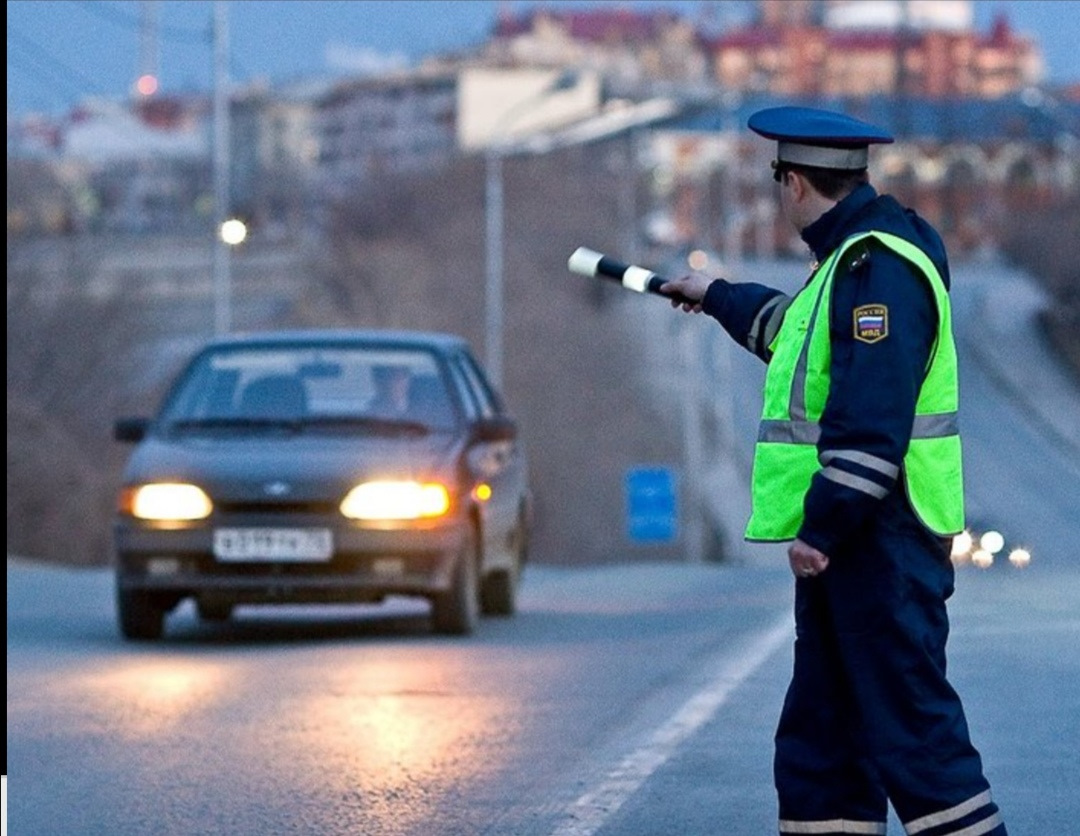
[(594, 807)]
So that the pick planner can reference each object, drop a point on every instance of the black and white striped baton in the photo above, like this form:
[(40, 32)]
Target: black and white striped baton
[(588, 262)]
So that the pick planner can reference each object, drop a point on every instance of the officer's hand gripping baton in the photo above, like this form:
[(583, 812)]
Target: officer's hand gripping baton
[(588, 262)]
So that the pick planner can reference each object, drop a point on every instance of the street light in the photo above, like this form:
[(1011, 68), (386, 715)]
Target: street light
[(496, 149), (233, 232)]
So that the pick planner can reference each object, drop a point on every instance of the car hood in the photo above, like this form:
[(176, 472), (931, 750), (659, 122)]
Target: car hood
[(298, 467)]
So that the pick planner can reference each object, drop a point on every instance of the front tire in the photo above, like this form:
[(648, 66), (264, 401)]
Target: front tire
[(499, 590), (457, 611), (213, 611), (140, 616), (499, 595)]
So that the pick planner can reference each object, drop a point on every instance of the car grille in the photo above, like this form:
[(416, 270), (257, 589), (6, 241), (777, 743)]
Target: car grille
[(263, 507)]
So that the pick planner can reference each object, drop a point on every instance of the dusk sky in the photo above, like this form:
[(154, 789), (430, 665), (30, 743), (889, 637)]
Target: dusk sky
[(62, 51)]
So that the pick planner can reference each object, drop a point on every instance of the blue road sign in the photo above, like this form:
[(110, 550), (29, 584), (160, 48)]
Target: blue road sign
[(651, 507)]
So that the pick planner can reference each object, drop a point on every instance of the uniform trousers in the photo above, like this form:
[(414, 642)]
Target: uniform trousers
[(869, 716)]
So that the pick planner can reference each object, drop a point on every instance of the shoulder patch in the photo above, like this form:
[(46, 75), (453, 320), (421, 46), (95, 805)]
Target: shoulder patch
[(871, 323)]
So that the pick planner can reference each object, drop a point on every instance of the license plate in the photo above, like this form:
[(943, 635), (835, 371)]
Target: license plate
[(295, 544)]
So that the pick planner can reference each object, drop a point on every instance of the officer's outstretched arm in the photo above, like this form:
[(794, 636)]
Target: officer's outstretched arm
[(751, 313)]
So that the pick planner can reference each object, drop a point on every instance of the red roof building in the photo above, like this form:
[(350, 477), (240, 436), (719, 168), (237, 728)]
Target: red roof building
[(795, 55)]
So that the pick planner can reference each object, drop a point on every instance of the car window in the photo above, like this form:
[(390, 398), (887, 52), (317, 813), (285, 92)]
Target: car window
[(315, 382), (487, 401), (464, 389)]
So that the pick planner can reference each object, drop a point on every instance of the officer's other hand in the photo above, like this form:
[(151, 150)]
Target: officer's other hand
[(805, 560), (692, 286)]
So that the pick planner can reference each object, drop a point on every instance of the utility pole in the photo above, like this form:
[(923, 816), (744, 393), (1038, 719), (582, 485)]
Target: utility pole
[(221, 278), (493, 238), (499, 146), (148, 47)]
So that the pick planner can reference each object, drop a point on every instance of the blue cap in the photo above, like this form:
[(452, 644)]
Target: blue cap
[(819, 138)]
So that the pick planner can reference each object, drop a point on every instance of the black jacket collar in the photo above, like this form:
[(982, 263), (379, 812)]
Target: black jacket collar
[(825, 234)]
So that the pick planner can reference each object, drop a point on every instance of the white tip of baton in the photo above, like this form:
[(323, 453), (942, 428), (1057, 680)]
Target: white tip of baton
[(637, 278), (584, 261)]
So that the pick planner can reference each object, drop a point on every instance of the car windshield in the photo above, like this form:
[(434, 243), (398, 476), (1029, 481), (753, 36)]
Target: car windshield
[(331, 389)]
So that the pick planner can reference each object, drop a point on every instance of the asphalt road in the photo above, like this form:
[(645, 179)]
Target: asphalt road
[(631, 699)]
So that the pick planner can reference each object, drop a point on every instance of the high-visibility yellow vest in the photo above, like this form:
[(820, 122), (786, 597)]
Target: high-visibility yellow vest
[(797, 386)]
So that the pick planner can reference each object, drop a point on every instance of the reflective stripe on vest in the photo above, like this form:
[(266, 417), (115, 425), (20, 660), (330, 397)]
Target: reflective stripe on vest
[(797, 388)]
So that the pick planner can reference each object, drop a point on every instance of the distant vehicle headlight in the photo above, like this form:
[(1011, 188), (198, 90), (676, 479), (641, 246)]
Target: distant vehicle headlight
[(166, 501), (389, 500), (961, 544), (992, 541), (1019, 558)]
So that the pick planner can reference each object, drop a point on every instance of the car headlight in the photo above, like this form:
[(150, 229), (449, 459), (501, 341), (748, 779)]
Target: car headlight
[(166, 501), (1020, 558), (396, 500)]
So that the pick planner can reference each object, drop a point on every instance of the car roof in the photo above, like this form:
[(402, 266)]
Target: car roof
[(435, 340)]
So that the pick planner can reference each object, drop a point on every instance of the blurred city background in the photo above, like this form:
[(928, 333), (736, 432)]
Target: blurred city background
[(447, 191)]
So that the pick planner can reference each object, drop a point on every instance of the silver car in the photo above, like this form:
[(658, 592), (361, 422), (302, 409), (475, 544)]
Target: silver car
[(323, 466)]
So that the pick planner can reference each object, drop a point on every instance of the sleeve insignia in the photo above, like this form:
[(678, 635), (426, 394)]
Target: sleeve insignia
[(871, 323)]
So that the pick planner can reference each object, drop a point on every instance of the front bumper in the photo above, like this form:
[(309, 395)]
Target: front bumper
[(366, 564)]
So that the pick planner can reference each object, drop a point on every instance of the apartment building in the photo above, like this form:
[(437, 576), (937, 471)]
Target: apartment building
[(919, 48)]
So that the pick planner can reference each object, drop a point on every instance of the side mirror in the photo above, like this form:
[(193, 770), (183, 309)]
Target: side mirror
[(130, 429), (496, 428)]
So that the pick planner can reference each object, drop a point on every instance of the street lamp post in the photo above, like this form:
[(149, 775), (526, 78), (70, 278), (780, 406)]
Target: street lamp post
[(221, 269), (497, 149), (493, 291)]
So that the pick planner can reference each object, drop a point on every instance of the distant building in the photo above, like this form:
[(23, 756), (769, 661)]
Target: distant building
[(497, 105), (147, 165), (274, 154), (393, 124), (130, 168), (968, 166), (615, 41), (927, 15), (922, 48), (859, 48)]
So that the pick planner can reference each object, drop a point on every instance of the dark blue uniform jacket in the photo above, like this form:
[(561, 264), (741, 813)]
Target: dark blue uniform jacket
[(874, 386)]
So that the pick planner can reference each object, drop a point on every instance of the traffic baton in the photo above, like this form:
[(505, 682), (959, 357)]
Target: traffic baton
[(588, 262)]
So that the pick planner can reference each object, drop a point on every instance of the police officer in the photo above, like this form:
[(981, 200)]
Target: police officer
[(858, 465)]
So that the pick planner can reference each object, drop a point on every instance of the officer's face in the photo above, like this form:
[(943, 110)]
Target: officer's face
[(795, 203), (787, 197)]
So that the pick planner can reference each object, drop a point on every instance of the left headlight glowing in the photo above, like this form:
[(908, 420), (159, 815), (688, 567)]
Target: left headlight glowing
[(386, 500), (164, 501)]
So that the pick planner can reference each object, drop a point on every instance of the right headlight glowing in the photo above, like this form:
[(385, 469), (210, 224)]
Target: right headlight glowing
[(396, 500)]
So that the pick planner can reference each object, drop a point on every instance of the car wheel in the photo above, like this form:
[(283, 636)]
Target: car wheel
[(213, 610), (498, 593), (139, 615), (456, 611)]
